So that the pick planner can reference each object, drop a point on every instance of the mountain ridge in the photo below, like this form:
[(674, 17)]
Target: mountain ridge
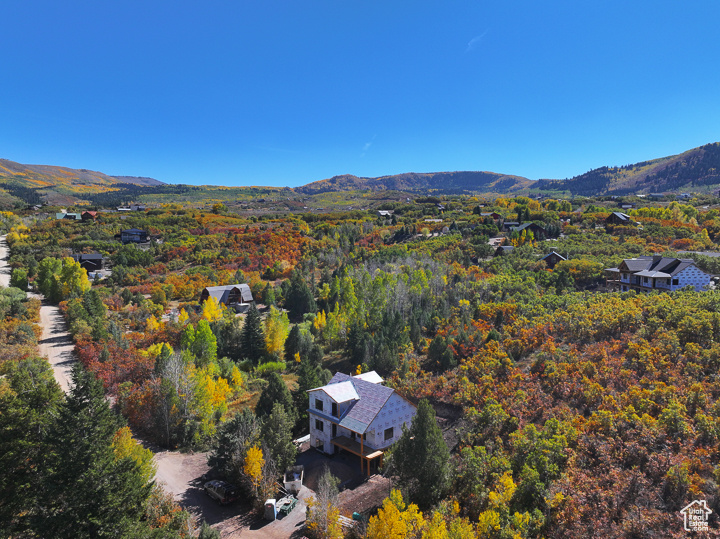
[(696, 170)]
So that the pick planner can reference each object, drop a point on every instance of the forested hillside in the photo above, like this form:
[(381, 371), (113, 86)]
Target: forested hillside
[(697, 170), (579, 411)]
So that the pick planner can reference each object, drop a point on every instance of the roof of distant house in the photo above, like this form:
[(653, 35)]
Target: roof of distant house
[(656, 266), (523, 226), (551, 253), (221, 293)]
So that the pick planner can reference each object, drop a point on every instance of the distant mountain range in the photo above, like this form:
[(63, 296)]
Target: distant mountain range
[(696, 170), (60, 185), (446, 182)]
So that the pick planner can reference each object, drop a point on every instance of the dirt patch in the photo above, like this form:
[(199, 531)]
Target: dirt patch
[(367, 497)]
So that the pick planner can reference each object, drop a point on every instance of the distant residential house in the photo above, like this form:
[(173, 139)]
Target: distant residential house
[(133, 207), (385, 213), (89, 215), (503, 250), (69, 216), (537, 230), (508, 225), (619, 218), (552, 259), (647, 273), (90, 262), (359, 415), (627, 205), (133, 235), (233, 296), (493, 215)]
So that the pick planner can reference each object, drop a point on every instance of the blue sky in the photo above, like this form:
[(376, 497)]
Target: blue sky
[(289, 92)]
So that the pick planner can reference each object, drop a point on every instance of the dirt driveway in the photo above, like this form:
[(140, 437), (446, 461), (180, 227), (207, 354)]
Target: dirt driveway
[(56, 344)]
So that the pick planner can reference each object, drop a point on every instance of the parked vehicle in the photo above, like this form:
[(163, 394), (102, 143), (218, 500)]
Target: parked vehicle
[(221, 492)]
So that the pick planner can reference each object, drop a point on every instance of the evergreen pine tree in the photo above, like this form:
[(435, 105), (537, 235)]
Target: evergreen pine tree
[(253, 336), (276, 436), (299, 299), (292, 344), (29, 399), (421, 459), (310, 376), (90, 493), (275, 392)]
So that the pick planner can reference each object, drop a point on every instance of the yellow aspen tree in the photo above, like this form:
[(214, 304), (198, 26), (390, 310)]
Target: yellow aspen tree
[(212, 310), (436, 529), (277, 328), (183, 316), (395, 520), (254, 463), (152, 324), (124, 445)]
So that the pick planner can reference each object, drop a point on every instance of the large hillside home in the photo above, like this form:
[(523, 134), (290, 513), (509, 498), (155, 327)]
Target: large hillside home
[(359, 415), (133, 235), (647, 273), (233, 296)]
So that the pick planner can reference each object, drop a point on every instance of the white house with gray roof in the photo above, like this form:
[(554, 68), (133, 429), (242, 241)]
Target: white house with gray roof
[(357, 414), (647, 273)]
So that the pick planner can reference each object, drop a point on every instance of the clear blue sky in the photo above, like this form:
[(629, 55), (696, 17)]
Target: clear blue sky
[(289, 92)]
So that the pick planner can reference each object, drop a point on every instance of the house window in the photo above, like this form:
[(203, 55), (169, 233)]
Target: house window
[(389, 433), (676, 282), (318, 404), (334, 430), (319, 425), (334, 409)]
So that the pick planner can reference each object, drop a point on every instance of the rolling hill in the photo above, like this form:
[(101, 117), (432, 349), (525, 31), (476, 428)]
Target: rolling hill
[(696, 170), (60, 185), (446, 182)]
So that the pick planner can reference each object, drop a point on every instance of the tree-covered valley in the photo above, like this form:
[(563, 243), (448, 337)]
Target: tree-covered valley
[(571, 410)]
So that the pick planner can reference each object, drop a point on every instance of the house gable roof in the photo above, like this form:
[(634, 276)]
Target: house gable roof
[(221, 293), (655, 266), (371, 399), (554, 253), (523, 226), (341, 392)]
